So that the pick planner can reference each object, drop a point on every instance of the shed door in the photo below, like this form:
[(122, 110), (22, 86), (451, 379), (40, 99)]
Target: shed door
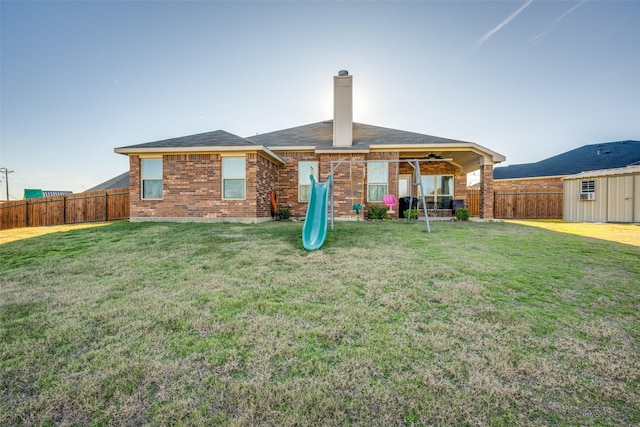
[(620, 199)]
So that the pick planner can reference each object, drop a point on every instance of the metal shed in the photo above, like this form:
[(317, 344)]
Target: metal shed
[(608, 195)]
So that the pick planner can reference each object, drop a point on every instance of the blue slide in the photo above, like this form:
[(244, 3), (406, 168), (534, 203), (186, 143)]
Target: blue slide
[(314, 231)]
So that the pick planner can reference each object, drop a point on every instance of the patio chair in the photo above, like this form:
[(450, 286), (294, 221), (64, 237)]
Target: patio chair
[(389, 201)]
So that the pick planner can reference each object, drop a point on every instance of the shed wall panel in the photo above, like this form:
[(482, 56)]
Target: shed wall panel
[(617, 199), (576, 210), (620, 198), (636, 198)]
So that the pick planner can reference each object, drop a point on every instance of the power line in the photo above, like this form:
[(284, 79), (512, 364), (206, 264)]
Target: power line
[(6, 179)]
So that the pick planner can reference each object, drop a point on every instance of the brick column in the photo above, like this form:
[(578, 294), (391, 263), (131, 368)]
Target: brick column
[(460, 186), (486, 191)]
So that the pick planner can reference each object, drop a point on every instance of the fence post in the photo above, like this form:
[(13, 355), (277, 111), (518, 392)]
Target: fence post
[(26, 213), (64, 209), (106, 210)]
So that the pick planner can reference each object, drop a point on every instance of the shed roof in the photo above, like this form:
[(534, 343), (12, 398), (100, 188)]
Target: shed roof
[(35, 193), (607, 155), (635, 169)]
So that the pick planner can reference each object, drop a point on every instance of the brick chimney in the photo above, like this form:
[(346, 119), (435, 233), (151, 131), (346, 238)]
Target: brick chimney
[(342, 109)]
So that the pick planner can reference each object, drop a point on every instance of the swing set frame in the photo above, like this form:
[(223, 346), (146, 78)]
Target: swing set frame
[(417, 180)]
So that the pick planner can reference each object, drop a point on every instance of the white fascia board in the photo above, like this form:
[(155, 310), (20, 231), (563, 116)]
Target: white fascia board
[(273, 155), (342, 151), (205, 149), (294, 148), (456, 146)]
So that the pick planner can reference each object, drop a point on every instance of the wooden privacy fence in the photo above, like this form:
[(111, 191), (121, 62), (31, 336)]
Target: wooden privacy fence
[(473, 202), (522, 205), (105, 205)]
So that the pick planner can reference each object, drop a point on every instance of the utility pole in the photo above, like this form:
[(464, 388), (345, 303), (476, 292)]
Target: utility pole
[(6, 179)]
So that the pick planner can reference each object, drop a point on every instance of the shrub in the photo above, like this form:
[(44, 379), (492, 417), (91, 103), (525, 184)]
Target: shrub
[(414, 213), (462, 214), (284, 213), (378, 212)]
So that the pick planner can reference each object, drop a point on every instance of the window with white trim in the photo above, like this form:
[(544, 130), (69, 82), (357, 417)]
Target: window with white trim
[(377, 180), (588, 186), (233, 178), (305, 170), (151, 178), (438, 191)]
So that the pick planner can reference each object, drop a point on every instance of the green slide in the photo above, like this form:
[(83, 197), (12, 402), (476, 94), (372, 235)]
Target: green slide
[(314, 231)]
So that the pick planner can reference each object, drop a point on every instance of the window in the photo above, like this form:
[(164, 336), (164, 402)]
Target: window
[(587, 190), (151, 172), (587, 187), (438, 191), (378, 177), (305, 170), (233, 177)]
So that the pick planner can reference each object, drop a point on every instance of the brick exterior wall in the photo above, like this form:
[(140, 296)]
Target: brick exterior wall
[(192, 188), (266, 179), (287, 182), (192, 185), (528, 185), (347, 183), (134, 184)]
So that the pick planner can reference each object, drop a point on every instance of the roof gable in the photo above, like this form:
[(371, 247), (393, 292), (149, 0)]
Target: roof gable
[(608, 155)]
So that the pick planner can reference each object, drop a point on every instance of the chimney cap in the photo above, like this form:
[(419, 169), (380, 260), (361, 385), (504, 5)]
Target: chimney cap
[(343, 73)]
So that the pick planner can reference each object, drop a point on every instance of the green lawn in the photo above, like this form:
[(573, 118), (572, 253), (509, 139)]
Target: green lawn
[(191, 324)]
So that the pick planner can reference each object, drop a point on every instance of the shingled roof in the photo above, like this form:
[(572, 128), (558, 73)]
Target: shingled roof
[(120, 181), (216, 138), (320, 135), (607, 155)]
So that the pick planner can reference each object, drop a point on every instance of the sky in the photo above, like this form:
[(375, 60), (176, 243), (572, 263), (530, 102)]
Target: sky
[(528, 79)]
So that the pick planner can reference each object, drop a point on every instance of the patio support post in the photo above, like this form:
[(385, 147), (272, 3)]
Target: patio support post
[(486, 191)]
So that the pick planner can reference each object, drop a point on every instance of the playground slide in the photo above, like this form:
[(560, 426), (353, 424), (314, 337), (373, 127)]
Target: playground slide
[(314, 230)]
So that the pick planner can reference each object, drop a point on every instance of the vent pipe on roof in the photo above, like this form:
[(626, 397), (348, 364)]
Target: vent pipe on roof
[(342, 109)]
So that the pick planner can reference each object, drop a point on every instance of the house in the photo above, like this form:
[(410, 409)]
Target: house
[(546, 175), (120, 181), (606, 195), (219, 176)]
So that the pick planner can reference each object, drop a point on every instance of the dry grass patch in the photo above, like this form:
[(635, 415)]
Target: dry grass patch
[(14, 234), (628, 234)]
